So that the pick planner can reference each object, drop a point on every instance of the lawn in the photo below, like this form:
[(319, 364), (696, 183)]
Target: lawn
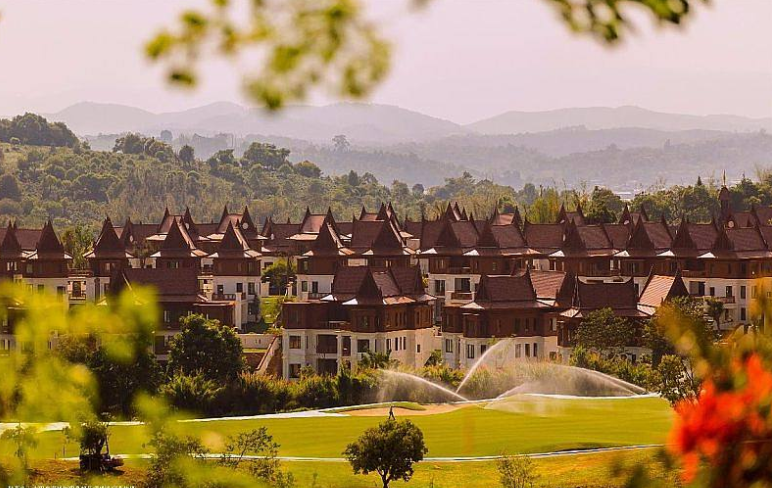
[(519, 426), (586, 470)]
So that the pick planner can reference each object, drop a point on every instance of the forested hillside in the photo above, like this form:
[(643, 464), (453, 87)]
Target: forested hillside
[(141, 176)]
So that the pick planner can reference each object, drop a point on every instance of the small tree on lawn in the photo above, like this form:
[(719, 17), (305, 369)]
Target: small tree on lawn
[(390, 449), (516, 472), (23, 439)]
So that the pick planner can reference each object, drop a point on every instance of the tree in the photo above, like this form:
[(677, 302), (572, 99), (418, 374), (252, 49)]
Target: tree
[(715, 309), (9, 187), (604, 206), (390, 449), (24, 438), (678, 380), (680, 313), (187, 155), (340, 143), (166, 136), (603, 331), (77, 241), (205, 346), (308, 169), (517, 472), (279, 275), (267, 155), (92, 436)]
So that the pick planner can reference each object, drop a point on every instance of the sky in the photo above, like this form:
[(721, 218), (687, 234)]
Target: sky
[(462, 60)]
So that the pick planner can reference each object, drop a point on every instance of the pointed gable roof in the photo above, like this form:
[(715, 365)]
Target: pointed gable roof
[(234, 244), (187, 221), (506, 288), (388, 238), (108, 244), (619, 296), (10, 247), (178, 243), (311, 223), (248, 227), (659, 289), (328, 242), (49, 243)]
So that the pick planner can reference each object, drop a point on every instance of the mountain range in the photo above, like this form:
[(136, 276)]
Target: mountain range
[(374, 124)]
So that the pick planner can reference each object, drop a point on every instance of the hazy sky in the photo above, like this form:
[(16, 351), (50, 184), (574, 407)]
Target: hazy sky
[(458, 59)]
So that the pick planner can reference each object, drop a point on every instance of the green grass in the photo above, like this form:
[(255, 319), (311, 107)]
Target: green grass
[(587, 471), (416, 407), (532, 425)]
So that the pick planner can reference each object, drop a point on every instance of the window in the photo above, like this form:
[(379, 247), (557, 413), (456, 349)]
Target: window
[(41, 288), (295, 342), (314, 287), (483, 348), (470, 351), (754, 291), (167, 316), (220, 289), (527, 350), (463, 285), (61, 290), (304, 286), (712, 291), (439, 286), (363, 345), (239, 287), (742, 292), (388, 345), (535, 350), (251, 288), (742, 314), (448, 345), (518, 350), (294, 370), (729, 292), (418, 348)]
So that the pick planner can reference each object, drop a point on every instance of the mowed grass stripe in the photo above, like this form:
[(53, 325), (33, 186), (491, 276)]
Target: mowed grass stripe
[(531, 425)]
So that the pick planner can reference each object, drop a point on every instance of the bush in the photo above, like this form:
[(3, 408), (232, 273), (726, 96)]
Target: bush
[(192, 392), (516, 472)]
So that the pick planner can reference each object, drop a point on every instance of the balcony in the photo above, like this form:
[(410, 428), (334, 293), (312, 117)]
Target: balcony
[(333, 325), (458, 270), (462, 295), (224, 297)]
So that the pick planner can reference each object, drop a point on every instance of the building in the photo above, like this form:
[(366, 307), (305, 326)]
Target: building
[(382, 310)]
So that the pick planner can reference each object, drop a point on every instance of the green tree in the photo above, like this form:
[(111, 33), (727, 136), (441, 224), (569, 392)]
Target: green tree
[(517, 472), (267, 155), (390, 449), (205, 346), (308, 169), (24, 439), (9, 187), (278, 275), (77, 241), (604, 207), (601, 330), (187, 155)]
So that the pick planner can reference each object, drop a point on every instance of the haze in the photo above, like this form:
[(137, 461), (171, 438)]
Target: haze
[(459, 60)]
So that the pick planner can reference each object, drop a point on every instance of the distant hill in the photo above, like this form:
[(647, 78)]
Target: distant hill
[(362, 123), (515, 122)]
